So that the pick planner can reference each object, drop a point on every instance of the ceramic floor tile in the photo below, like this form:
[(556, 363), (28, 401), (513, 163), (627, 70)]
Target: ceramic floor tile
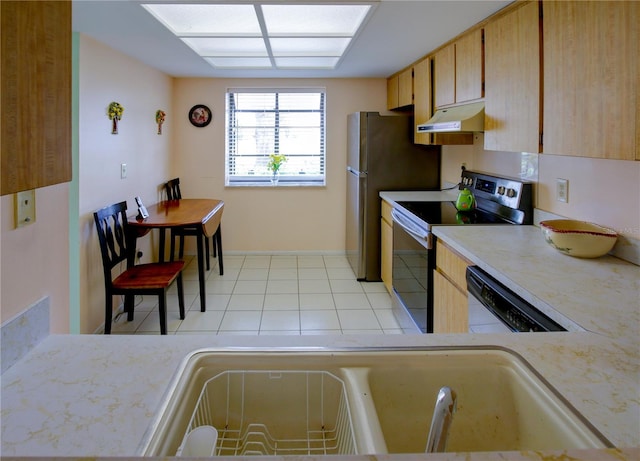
[(312, 273), (271, 295), (358, 320), (351, 301), (282, 286), (380, 300), (319, 320), (281, 301), (290, 273), (219, 286), (257, 262), (340, 273), (316, 301), (314, 286), (214, 302), (310, 261), (245, 302), (284, 262), (201, 321), (336, 261), (241, 321), (280, 321), (253, 274), (386, 319), (374, 287), (346, 286), (250, 287)]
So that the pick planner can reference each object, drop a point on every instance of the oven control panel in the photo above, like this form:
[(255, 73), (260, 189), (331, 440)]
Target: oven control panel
[(492, 192)]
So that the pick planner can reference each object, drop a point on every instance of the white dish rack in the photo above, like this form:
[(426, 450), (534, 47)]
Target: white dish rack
[(274, 412)]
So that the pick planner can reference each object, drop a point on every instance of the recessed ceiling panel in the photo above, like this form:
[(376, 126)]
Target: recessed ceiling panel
[(240, 63), (227, 46), (314, 19), (186, 19), (317, 46), (306, 63)]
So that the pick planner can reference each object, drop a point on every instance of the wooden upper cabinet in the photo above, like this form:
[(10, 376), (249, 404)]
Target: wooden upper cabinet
[(392, 92), (469, 67), (422, 99), (591, 79), (513, 75), (444, 79), (36, 94), (400, 89), (459, 70)]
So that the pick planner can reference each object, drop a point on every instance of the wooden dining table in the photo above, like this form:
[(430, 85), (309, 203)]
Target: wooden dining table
[(205, 214)]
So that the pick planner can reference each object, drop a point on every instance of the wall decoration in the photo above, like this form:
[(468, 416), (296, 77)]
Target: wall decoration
[(200, 115), (114, 111), (160, 115)]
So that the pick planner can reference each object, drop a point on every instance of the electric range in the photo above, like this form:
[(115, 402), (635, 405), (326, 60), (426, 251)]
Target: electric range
[(498, 200)]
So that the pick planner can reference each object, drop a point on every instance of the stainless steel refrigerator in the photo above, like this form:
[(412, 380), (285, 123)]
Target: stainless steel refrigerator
[(381, 156)]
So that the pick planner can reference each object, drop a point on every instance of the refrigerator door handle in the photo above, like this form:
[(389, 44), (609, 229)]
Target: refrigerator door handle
[(357, 173)]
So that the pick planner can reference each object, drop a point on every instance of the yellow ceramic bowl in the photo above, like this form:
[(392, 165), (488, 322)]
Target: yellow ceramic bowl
[(578, 238)]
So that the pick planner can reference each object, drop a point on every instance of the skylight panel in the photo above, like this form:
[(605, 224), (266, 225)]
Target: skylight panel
[(314, 19), (317, 46), (202, 19), (253, 35), (227, 46)]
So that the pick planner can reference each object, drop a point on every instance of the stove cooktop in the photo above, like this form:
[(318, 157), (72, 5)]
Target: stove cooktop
[(445, 213)]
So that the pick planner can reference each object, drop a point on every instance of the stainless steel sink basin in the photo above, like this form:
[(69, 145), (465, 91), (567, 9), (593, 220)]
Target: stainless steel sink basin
[(503, 404)]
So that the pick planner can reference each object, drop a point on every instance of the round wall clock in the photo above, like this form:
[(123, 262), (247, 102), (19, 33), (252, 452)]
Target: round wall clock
[(200, 115)]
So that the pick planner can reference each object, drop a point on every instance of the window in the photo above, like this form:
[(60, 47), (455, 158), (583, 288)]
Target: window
[(289, 122)]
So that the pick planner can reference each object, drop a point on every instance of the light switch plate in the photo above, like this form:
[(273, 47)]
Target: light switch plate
[(25, 207)]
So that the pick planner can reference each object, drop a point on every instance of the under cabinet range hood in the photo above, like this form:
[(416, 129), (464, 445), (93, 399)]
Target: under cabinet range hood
[(468, 118)]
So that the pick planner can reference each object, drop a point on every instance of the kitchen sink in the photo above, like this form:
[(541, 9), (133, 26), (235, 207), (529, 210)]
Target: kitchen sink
[(502, 403)]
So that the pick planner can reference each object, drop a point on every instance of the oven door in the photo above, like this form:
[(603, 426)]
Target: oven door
[(412, 279)]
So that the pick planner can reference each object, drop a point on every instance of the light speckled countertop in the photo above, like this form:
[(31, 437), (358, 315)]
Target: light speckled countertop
[(90, 395)]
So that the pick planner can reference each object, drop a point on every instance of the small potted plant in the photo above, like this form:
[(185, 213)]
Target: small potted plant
[(275, 162), (160, 115)]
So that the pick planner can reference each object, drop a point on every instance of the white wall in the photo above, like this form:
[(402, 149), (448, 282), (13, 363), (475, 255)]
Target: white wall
[(35, 258), (105, 76), (606, 192), (270, 219)]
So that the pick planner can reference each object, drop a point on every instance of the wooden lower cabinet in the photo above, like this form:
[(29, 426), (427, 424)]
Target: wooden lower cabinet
[(450, 302), (386, 245), (449, 307)]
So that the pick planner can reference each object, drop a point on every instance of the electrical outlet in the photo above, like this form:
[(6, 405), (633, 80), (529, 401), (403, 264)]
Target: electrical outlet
[(123, 170), (562, 190)]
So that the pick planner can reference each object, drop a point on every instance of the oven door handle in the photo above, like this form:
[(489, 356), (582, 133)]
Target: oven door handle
[(409, 226)]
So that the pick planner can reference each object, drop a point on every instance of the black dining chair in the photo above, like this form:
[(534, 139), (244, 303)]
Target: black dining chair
[(172, 189), (141, 279)]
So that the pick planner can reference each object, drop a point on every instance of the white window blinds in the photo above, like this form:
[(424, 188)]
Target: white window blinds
[(289, 122)]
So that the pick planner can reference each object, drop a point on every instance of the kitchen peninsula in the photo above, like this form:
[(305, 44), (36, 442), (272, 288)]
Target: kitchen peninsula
[(89, 395)]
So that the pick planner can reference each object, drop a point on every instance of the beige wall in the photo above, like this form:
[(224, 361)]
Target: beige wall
[(35, 258), (265, 218), (602, 191), (105, 76)]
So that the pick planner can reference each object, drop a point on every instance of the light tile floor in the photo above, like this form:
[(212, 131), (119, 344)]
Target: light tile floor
[(271, 295)]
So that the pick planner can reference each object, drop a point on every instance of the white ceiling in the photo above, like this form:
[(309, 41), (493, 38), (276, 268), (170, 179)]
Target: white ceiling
[(398, 33)]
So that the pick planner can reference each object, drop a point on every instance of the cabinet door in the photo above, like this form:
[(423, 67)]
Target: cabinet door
[(450, 307), (405, 88), (392, 92), (36, 94), (591, 83), (512, 89), (445, 76), (386, 245), (421, 99), (469, 72)]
